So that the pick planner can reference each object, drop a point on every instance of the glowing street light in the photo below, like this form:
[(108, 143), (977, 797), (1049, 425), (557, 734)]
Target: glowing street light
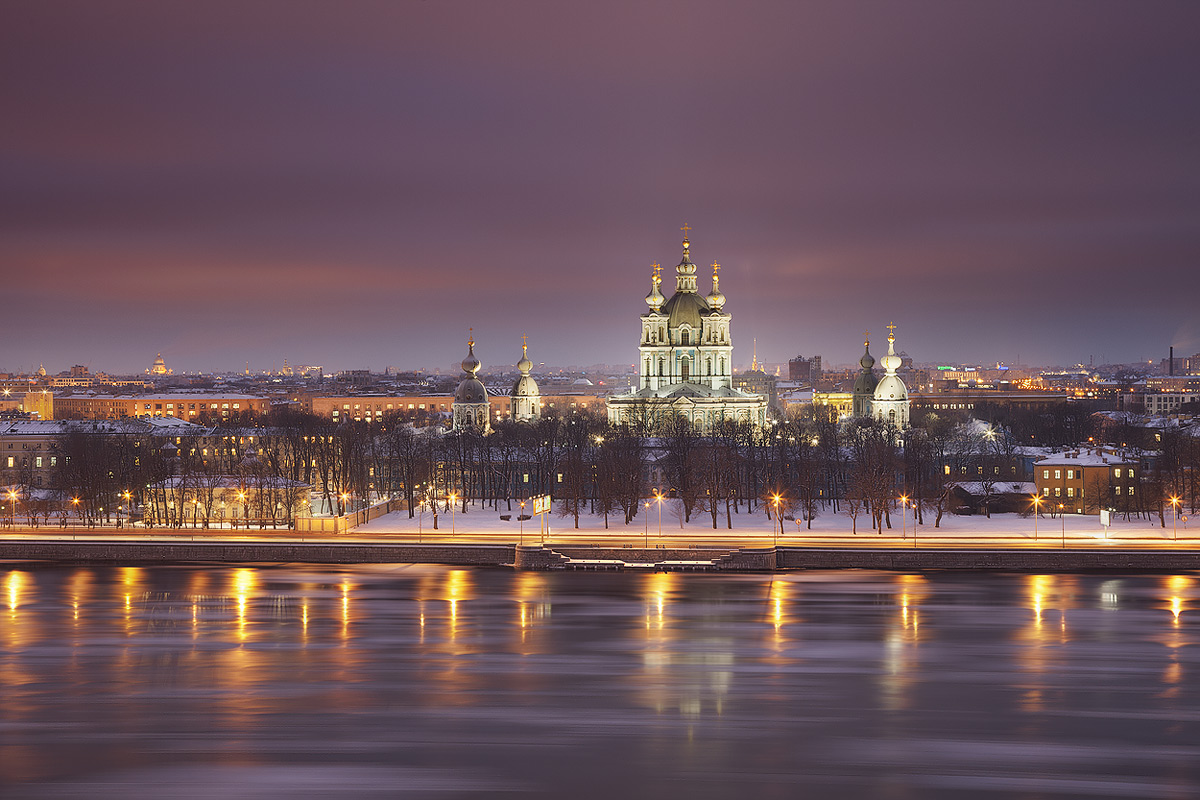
[(1175, 517), (646, 520), (453, 500), (904, 516), (658, 496), (774, 531), (1037, 498), (1062, 514)]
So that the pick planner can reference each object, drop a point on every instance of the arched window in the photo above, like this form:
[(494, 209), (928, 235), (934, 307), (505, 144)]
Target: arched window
[(684, 368), (685, 337), (660, 368)]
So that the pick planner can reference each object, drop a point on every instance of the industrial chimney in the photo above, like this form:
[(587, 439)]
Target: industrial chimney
[(1171, 362)]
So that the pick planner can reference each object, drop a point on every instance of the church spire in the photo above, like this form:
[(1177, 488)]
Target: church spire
[(685, 271), (655, 299), (715, 298)]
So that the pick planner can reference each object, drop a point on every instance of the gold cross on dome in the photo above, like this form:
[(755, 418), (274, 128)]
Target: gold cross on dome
[(524, 341), (657, 268), (867, 336), (470, 337), (891, 329), (685, 229), (716, 268)]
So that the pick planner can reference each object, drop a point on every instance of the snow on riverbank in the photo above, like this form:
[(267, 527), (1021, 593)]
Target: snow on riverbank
[(487, 521)]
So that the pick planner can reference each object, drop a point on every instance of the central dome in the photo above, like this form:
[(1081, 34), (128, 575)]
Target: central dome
[(685, 308)]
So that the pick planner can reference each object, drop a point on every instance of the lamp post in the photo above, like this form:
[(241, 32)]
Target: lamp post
[(777, 524), (1037, 498), (903, 516), (12, 498), (1174, 518), (453, 500), (521, 519), (1062, 514), (658, 496), (647, 521)]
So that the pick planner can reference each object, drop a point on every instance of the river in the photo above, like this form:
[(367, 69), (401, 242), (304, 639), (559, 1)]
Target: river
[(297, 681)]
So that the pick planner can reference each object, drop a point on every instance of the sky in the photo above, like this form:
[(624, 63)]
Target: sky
[(358, 184)]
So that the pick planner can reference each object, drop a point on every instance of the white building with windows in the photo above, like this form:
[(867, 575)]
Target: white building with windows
[(686, 358), (891, 395)]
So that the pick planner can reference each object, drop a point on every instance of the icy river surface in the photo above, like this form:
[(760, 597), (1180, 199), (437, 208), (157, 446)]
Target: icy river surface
[(298, 681)]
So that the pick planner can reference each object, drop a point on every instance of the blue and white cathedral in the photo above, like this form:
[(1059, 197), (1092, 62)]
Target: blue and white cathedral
[(685, 359)]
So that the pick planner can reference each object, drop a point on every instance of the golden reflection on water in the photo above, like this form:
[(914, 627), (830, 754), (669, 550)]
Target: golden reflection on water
[(245, 585), (680, 674), (902, 642), (13, 584), (533, 605)]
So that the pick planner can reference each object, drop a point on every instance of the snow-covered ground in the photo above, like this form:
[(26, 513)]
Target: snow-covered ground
[(486, 521)]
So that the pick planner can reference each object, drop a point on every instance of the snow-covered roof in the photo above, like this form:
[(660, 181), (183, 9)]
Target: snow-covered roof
[(1085, 458), (997, 487)]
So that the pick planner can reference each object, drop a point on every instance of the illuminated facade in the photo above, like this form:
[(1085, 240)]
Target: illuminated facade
[(471, 407), (890, 404), (526, 399), (686, 358)]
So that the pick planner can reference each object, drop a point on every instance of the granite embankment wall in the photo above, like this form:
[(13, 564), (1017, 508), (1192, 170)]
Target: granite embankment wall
[(249, 552), (1015, 560), (535, 557)]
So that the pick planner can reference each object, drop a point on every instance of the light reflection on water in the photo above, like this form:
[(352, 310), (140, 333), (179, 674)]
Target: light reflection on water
[(309, 682)]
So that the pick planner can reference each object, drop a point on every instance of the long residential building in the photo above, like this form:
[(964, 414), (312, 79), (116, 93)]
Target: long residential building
[(181, 405)]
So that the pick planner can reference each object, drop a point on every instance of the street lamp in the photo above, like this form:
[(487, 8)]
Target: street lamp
[(453, 500), (647, 521), (903, 516), (658, 496), (1064, 524), (1037, 498), (1175, 517), (12, 496), (774, 530), (521, 519)]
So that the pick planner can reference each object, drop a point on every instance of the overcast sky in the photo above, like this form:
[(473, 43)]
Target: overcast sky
[(356, 184)]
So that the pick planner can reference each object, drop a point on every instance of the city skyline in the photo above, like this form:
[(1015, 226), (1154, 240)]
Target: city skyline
[(359, 188)]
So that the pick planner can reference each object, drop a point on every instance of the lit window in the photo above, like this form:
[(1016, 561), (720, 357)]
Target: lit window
[(1046, 492), (1046, 473), (1131, 472), (1070, 491), (1057, 474), (1131, 491), (1070, 475), (1057, 492), (1117, 472)]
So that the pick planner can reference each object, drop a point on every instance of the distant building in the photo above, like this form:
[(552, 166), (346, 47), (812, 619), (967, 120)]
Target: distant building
[(183, 405), (804, 370), (159, 367), (1085, 481)]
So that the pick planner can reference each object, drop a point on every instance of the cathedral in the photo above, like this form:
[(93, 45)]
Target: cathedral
[(884, 399), (685, 359), (472, 406)]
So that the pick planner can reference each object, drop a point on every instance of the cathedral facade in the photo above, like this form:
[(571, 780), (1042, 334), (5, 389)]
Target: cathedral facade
[(884, 399), (685, 358)]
